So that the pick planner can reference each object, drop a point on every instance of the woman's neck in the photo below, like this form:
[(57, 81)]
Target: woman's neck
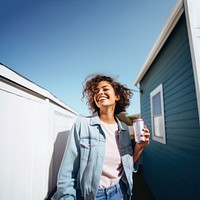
[(107, 116)]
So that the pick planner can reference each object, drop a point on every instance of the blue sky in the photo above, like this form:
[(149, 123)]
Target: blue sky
[(58, 43)]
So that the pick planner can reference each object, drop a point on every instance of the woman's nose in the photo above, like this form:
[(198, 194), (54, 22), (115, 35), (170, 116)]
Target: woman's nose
[(101, 91)]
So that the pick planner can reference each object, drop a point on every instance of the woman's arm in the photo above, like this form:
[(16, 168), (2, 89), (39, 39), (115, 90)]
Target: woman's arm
[(66, 183), (140, 146)]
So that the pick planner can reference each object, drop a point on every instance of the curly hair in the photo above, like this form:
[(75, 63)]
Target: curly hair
[(90, 89)]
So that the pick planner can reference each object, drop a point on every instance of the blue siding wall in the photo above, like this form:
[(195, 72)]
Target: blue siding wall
[(172, 171)]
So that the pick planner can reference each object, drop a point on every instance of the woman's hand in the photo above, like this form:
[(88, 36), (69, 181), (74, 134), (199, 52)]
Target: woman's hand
[(143, 144), (140, 146)]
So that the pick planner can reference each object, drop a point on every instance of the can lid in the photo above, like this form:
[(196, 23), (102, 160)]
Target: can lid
[(136, 120)]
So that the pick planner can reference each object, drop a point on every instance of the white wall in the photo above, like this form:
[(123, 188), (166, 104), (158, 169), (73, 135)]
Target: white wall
[(33, 132)]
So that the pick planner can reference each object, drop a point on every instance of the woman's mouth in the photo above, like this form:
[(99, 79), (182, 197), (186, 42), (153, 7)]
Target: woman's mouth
[(102, 98)]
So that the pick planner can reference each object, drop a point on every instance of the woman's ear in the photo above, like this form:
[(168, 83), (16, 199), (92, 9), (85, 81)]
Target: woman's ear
[(117, 97)]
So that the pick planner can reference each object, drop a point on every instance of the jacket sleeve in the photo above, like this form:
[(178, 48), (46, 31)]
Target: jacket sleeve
[(67, 175)]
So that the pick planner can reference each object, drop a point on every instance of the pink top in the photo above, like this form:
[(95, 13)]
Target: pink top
[(112, 160)]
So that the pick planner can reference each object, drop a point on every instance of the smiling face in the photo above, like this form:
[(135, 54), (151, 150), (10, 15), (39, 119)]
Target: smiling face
[(105, 96), (104, 92)]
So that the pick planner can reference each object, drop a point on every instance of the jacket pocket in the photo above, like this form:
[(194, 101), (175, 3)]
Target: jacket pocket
[(88, 148)]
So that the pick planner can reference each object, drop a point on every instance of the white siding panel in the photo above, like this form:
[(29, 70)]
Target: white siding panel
[(22, 139), (29, 127)]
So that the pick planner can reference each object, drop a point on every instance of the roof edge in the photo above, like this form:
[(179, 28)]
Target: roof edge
[(11, 75), (164, 34)]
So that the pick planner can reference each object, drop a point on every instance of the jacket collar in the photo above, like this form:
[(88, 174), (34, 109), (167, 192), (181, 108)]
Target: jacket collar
[(95, 120)]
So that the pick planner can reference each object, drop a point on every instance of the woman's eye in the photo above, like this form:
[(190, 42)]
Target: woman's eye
[(105, 89)]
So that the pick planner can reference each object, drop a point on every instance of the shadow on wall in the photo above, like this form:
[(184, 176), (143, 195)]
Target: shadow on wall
[(58, 152)]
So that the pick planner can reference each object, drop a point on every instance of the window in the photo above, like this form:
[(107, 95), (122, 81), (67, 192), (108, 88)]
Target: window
[(157, 115)]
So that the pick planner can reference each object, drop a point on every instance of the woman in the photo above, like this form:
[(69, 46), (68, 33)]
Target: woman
[(99, 158)]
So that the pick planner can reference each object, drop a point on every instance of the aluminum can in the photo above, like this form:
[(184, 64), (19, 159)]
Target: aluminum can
[(138, 125)]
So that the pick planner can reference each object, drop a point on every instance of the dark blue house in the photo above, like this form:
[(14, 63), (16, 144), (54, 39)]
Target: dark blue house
[(169, 82)]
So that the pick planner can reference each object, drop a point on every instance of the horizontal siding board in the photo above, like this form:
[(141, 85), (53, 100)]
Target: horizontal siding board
[(161, 182), (183, 78), (172, 157), (180, 93), (166, 73), (183, 71), (167, 167), (189, 132), (178, 107), (189, 123), (185, 143), (183, 116), (167, 61), (176, 104)]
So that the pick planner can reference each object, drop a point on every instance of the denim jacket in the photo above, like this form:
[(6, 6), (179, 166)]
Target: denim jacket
[(81, 168)]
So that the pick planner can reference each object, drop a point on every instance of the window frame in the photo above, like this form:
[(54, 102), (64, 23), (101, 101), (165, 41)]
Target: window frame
[(157, 90)]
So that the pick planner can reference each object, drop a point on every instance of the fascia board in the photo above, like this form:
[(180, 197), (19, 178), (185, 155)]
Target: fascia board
[(164, 34), (18, 79), (192, 13)]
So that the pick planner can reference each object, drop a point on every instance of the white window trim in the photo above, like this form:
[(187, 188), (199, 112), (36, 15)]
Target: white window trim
[(152, 94)]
